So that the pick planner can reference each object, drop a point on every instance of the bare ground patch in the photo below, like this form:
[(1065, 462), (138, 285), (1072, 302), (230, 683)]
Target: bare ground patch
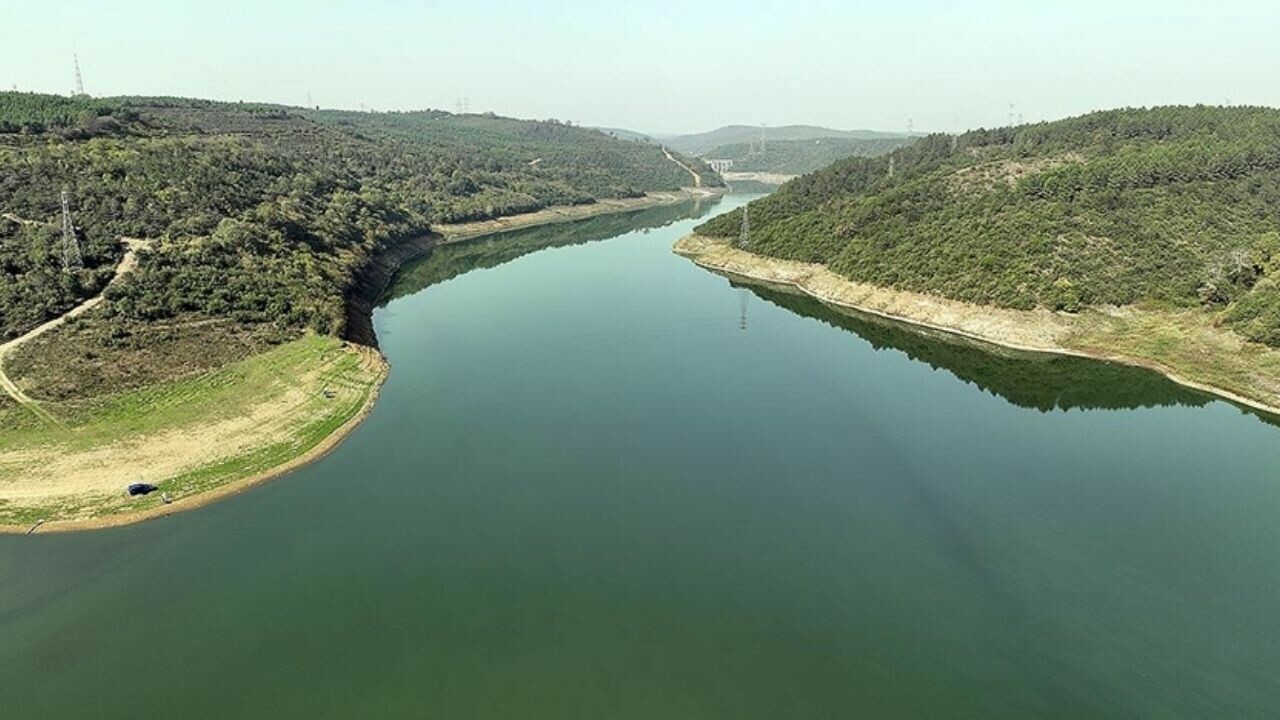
[(988, 175)]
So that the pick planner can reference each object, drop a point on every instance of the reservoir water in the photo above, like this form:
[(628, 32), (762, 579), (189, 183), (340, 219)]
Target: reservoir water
[(604, 483)]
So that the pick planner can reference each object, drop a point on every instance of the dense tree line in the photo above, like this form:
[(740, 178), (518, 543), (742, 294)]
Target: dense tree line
[(549, 151), (33, 287), (262, 213), (1170, 205), (32, 113)]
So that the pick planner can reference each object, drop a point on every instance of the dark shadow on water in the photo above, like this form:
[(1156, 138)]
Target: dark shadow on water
[(449, 261), (1032, 380)]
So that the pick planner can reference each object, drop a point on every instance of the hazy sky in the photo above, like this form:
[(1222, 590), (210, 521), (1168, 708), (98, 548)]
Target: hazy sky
[(662, 67)]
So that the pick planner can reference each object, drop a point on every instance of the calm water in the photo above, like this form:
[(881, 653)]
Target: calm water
[(587, 493)]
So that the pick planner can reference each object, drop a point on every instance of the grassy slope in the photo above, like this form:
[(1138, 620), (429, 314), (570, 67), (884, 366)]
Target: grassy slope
[(108, 428)]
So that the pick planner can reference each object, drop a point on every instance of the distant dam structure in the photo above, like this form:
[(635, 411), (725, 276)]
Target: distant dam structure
[(720, 166)]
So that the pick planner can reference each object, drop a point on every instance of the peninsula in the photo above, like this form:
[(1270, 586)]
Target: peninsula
[(211, 328)]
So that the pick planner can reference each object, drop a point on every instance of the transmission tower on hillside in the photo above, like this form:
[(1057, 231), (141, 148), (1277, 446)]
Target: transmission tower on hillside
[(70, 244), (75, 60), (744, 240)]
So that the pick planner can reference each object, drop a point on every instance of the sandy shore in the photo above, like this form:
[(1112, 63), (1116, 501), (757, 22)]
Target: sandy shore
[(378, 365), (1100, 334)]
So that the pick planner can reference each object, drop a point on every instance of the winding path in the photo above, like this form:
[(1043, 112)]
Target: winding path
[(697, 179), (127, 264)]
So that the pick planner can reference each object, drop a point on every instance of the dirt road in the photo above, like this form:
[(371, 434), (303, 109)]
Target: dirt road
[(127, 264), (697, 179)]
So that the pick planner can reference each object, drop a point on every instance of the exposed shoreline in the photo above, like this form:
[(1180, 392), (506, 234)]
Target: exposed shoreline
[(568, 213), (761, 176), (1039, 331), (221, 492), (363, 299)]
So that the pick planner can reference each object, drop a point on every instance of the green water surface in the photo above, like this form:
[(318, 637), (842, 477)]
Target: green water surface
[(588, 492)]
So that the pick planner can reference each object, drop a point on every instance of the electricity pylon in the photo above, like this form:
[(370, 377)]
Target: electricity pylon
[(75, 59)]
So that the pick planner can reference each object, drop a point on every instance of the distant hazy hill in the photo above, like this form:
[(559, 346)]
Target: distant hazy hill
[(1175, 206), (702, 143), (797, 157)]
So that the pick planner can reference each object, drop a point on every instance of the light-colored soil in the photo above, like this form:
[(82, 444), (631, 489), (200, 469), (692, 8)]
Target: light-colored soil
[(986, 176), (765, 178), (1184, 345), (52, 473)]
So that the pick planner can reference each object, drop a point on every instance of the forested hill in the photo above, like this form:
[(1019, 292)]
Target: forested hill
[(702, 143), (263, 214), (797, 157), (1176, 205)]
